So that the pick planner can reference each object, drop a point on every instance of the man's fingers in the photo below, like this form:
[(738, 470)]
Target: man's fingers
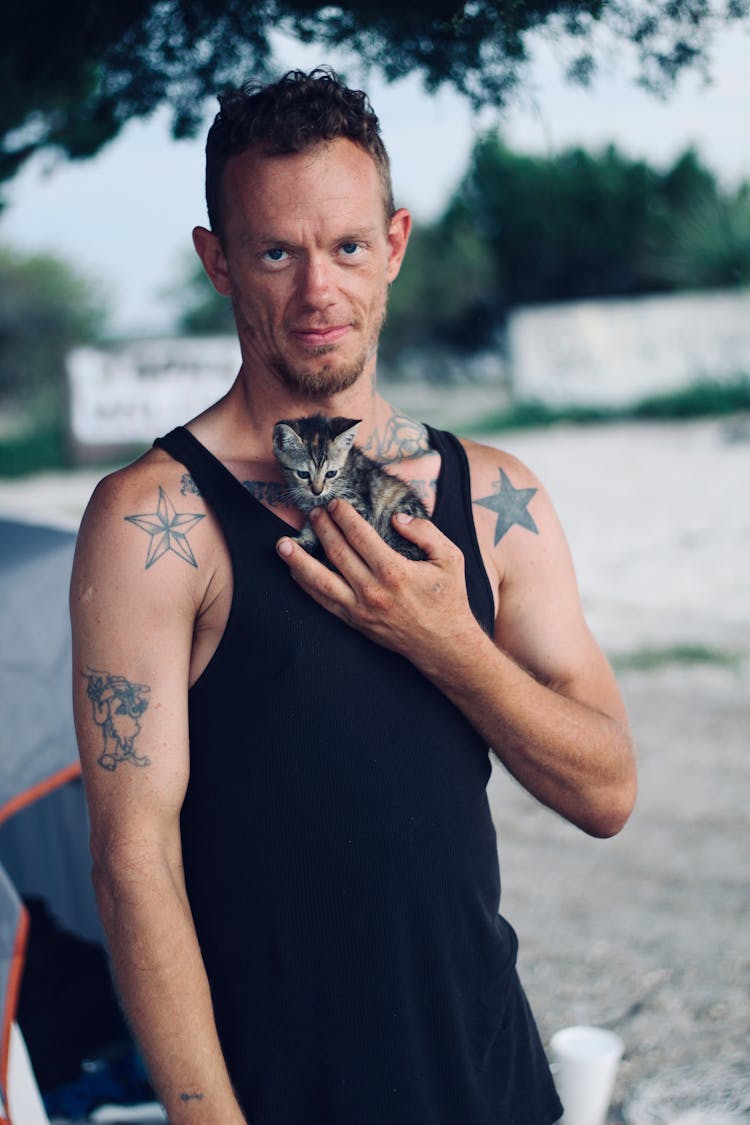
[(353, 529), (323, 584), (424, 534)]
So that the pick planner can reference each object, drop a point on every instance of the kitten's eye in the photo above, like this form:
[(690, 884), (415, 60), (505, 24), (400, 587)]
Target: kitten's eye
[(303, 474), (332, 473)]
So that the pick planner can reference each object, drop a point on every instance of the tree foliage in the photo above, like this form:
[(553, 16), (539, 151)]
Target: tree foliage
[(525, 229), (72, 74), (45, 309)]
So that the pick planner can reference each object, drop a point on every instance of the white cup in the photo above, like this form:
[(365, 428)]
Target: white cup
[(584, 1065)]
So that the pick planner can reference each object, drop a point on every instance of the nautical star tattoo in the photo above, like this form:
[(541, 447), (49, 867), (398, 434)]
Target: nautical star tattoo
[(168, 530)]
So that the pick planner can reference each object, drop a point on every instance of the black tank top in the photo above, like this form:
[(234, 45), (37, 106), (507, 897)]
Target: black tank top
[(340, 857)]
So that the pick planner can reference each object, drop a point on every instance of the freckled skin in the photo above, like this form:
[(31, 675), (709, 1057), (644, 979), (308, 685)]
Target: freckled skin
[(306, 264)]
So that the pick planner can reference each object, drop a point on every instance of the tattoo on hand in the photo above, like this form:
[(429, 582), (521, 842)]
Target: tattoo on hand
[(196, 1097), (511, 506), (168, 530), (117, 706)]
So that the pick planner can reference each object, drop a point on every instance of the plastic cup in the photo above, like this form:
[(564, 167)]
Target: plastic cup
[(584, 1065)]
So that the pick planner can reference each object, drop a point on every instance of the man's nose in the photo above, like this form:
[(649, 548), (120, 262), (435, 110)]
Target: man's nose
[(316, 281)]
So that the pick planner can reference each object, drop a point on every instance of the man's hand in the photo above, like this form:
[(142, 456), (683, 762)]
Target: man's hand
[(413, 608)]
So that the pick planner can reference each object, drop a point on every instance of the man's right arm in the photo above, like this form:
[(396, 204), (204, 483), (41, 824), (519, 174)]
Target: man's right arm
[(135, 593)]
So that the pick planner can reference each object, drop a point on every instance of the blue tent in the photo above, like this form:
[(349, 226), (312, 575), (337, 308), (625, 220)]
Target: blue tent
[(37, 740)]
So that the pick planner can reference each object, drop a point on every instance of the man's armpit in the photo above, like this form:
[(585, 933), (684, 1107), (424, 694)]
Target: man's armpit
[(117, 706)]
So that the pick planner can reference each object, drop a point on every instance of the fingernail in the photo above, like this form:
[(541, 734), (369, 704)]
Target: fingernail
[(404, 517), (284, 547), (333, 505)]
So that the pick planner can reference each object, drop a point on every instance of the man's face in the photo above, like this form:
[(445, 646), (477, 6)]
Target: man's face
[(309, 255)]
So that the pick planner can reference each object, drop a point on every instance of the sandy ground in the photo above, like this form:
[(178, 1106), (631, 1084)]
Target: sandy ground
[(647, 933)]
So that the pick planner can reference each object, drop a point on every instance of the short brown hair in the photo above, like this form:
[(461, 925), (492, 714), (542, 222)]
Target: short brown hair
[(289, 116)]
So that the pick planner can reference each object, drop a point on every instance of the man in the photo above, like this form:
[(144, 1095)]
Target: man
[(293, 853)]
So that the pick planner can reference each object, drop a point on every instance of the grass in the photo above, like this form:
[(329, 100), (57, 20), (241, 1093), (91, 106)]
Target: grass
[(651, 659), (42, 447), (703, 399)]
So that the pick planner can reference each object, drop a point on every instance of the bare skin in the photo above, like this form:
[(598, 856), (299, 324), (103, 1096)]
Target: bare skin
[(307, 257)]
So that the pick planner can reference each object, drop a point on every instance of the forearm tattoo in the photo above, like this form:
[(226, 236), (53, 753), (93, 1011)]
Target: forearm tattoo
[(117, 706), (167, 529), (511, 506)]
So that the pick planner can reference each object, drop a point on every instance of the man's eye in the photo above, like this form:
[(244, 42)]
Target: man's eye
[(275, 254), (350, 249), (303, 474)]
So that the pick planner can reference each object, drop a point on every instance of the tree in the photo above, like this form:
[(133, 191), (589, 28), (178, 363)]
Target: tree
[(584, 224), (45, 309), (72, 74)]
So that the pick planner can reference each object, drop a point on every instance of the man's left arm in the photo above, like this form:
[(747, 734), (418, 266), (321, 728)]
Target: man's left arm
[(540, 691)]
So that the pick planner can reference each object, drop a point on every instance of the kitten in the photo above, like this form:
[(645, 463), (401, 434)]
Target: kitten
[(320, 461)]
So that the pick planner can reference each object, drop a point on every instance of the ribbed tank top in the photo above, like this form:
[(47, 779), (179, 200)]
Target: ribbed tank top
[(340, 857)]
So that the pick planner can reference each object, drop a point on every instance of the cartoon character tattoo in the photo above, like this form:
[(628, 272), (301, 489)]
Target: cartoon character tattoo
[(117, 708)]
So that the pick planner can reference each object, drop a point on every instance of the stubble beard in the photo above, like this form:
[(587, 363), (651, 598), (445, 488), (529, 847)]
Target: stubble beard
[(318, 383)]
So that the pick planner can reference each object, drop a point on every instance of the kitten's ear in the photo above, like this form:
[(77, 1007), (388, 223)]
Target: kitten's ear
[(285, 439), (345, 440)]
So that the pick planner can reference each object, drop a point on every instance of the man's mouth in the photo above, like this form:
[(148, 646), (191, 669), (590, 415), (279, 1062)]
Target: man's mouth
[(320, 337)]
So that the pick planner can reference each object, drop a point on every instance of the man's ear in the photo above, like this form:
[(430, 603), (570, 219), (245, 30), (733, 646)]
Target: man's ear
[(399, 229), (208, 248)]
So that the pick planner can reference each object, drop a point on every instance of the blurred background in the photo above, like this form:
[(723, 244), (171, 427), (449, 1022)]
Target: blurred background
[(577, 290)]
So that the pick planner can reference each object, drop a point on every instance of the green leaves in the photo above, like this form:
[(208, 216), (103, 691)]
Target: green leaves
[(72, 74)]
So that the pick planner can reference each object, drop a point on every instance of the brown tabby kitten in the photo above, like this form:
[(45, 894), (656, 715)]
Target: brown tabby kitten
[(320, 461)]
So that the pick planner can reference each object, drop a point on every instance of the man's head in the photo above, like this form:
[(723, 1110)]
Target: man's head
[(304, 238), (290, 116)]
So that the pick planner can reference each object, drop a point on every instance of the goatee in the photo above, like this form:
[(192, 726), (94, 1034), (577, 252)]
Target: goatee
[(321, 382)]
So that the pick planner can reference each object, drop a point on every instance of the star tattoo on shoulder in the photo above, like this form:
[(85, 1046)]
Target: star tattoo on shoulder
[(511, 505), (168, 530)]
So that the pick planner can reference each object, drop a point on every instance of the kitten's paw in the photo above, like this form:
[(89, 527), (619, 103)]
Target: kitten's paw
[(308, 539)]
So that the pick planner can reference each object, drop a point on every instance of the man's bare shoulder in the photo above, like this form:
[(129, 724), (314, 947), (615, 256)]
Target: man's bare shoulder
[(512, 509), (486, 461), (147, 517), (134, 483)]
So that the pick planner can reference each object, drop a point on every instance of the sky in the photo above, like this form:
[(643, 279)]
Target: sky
[(124, 218)]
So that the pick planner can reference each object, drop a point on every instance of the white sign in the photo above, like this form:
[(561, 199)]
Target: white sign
[(616, 352), (131, 394)]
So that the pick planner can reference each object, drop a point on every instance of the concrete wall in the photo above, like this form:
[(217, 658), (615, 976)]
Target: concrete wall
[(615, 352), (129, 394)]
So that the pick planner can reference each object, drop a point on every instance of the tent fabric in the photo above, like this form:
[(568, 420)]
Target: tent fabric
[(37, 738), (14, 926)]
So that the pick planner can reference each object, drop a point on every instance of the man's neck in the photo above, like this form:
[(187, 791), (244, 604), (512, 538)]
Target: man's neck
[(242, 422)]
